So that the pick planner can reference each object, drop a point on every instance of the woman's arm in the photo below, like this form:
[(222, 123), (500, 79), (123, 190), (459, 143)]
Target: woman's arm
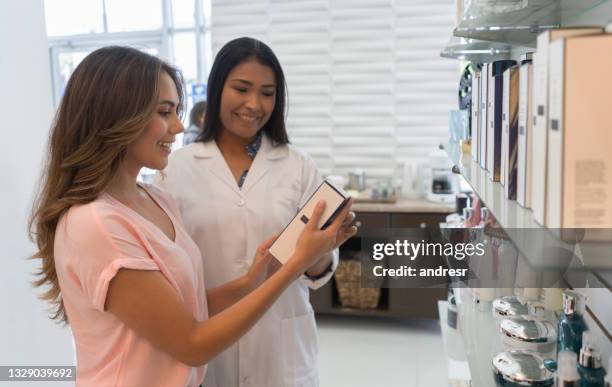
[(227, 294), (147, 303)]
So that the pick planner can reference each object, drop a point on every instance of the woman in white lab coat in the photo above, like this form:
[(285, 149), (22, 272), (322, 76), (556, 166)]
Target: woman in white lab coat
[(239, 182)]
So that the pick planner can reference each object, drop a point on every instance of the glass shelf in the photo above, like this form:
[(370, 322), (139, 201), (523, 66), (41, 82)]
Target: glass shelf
[(521, 26), (535, 242), (476, 51)]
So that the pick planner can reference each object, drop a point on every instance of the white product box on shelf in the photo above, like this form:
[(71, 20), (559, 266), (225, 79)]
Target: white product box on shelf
[(484, 101), (540, 111), (579, 175), (490, 121), (475, 114), (525, 133)]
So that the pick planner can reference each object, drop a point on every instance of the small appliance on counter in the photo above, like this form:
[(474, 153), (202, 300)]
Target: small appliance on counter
[(439, 182)]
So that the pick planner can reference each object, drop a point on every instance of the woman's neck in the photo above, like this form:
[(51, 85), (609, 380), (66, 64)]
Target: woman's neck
[(232, 145), (123, 186)]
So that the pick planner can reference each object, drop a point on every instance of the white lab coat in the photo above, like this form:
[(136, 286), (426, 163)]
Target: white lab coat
[(228, 224)]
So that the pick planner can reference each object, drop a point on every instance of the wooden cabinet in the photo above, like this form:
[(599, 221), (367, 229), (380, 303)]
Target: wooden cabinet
[(393, 302)]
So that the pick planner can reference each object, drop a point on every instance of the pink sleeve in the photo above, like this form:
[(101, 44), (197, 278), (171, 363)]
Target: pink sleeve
[(103, 241)]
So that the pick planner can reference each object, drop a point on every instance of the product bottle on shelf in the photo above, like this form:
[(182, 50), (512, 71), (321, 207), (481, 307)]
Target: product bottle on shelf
[(530, 294), (552, 298), (567, 373), (609, 375), (571, 324), (590, 368)]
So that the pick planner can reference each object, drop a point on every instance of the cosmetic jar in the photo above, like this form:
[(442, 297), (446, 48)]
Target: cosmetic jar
[(529, 333), (519, 369), (507, 307)]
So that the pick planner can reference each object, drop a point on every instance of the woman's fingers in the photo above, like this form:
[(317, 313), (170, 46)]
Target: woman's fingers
[(345, 234), (350, 218), (316, 216), (337, 223), (265, 245)]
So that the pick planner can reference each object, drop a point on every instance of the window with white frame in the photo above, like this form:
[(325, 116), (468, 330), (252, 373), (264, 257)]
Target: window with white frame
[(175, 30)]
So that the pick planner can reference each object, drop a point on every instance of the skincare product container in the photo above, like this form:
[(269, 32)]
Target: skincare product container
[(483, 298), (530, 334), (590, 366), (567, 372), (552, 298), (520, 368), (530, 294), (508, 307), (571, 324), (609, 375)]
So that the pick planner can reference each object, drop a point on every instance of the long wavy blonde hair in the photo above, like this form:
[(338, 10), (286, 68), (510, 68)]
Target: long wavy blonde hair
[(109, 100)]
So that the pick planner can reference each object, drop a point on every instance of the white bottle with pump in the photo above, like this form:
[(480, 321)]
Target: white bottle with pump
[(567, 372), (590, 366)]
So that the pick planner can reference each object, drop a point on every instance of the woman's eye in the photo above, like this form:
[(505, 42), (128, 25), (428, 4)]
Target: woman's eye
[(165, 114), (268, 94), (241, 90)]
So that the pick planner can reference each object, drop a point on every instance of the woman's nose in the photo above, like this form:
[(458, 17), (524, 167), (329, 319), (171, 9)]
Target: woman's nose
[(253, 102), (178, 126)]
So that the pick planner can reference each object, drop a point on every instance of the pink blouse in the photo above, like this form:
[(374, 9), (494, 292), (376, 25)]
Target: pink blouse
[(92, 242)]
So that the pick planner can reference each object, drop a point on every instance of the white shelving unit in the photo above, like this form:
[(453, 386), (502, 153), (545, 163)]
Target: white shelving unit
[(510, 34)]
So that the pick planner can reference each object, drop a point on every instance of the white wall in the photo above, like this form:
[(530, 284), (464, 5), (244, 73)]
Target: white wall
[(27, 336)]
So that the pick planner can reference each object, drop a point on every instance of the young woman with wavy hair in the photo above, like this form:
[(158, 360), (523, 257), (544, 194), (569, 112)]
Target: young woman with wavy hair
[(119, 265)]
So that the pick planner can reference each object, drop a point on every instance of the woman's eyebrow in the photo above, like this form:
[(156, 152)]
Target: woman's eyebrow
[(168, 102), (251, 83)]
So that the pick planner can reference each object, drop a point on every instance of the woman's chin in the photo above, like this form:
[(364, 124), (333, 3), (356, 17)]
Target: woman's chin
[(158, 164)]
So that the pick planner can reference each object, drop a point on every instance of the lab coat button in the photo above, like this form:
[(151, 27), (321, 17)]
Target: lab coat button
[(241, 203)]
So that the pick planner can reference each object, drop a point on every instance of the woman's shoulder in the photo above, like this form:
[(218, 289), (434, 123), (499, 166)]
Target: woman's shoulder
[(293, 152), (100, 212), (86, 224), (300, 156)]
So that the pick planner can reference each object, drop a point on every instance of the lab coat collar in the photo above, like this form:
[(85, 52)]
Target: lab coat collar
[(209, 149), (267, 154)]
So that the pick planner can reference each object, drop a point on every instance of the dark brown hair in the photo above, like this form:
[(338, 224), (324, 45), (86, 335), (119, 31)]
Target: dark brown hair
[(109, 100)]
